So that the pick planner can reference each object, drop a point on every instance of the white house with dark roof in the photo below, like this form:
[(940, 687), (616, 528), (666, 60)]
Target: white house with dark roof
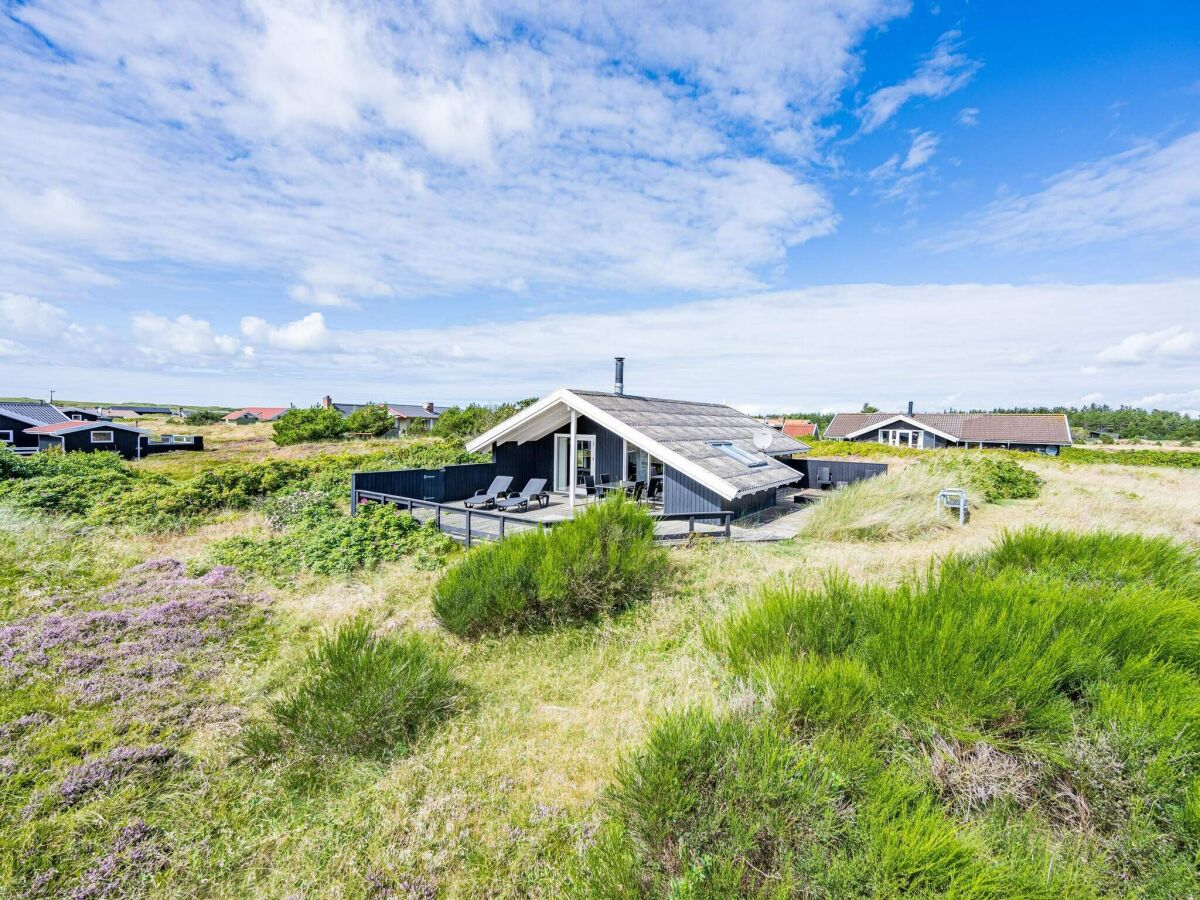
[(698, 457), (1034, 432)]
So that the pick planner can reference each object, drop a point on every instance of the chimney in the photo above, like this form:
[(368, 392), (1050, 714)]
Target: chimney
[(429, 406), (910, 407), (619, 386), (327, 401)]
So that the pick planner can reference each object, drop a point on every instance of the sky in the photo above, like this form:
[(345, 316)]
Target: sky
[(794, 205)]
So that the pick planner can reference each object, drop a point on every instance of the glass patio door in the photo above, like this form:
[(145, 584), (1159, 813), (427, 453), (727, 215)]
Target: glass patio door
[(585, 460)]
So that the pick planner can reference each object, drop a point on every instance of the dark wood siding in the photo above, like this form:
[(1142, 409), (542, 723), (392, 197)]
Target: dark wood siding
[(17, 427), (846, 470), (682, 494), (123, 442), (443, 485), (535, 459)]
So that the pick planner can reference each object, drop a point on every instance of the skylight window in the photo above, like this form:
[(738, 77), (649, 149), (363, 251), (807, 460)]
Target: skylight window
[(733, 451)]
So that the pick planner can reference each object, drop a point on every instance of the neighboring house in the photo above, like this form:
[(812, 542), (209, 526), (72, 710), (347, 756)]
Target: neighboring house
[(405, 414), (15, 418), (1099, 434), (135, 412), (1040, 433), (250, 414), (90, 437), (83, 413), (801, 428), (705, 457)]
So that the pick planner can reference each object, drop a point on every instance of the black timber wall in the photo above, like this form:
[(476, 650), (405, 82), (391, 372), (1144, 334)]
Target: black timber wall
[(845, 470), (444, 485), (149, 449), (17, 427), (682, 494), (123, 442), (535, 459)]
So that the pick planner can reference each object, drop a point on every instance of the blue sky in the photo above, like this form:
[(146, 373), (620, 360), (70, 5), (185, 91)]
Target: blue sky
[(788, 205)]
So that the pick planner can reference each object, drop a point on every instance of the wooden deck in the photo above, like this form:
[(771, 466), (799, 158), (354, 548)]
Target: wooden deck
[(779, 523)]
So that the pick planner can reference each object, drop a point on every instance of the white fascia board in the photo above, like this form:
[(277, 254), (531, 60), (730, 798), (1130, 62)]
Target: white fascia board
[(499, 432), (900, 417), (686, 466)]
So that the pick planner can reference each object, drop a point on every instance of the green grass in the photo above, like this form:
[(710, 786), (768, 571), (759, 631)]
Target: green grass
[(902, 505), (601, 562), (360, 693), (1051, 685)]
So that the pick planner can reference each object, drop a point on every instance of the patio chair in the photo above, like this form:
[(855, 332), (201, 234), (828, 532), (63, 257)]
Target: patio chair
[(589, 487), (654, 490), (824, 478), (638, 488), (487, 498), (534, 490)]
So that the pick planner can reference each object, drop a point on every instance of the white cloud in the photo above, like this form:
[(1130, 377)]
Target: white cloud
[(1093, 397), (1166, 345), (333, 284), (30, 316), (1150, 190), (308, 333), (900, 178), (943, 72), (52, 211), (968, 116), (165, 340), (454, 149)]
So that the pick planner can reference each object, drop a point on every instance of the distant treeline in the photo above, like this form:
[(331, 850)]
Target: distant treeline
[(1127, 422)]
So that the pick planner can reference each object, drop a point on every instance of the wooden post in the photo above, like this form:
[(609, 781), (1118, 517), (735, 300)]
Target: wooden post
[(502, 528), (468, 527), (573, 463)]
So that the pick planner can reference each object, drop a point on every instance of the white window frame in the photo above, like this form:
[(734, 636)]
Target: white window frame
[(96, 439), (6, 437), (901, 437), (567, 437), (76, 417)]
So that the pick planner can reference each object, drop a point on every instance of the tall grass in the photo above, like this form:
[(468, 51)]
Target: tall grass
[(1021, 723), (603, 561), (902, 505), (359, 693)]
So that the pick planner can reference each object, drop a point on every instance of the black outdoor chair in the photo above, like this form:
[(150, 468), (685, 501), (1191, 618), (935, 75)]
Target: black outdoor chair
[(518, 501), (589, 487), (487, 498), (654, 490), (638, 488)]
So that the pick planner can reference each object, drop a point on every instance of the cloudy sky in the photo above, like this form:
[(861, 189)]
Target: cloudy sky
[(782, 205)]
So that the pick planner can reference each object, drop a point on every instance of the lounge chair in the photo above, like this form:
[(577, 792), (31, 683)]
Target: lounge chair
[(535, 489), (487, 498)]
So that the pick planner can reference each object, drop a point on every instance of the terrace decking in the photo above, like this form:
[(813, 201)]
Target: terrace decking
[(779, 523)]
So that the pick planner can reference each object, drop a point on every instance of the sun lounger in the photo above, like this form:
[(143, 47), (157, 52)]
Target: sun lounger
[(486, 499), (535, 490)]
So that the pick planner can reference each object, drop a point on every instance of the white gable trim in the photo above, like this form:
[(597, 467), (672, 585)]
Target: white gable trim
[(900, 417), (697, 473)]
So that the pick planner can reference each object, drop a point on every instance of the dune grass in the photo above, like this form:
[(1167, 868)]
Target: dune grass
[(902, 506), (1025, 722)]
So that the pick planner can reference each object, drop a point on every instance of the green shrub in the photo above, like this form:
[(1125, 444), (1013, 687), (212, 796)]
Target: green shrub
[(990, 478), (1177, 459), (713, 807), (361, 694), (298, 426), (320, 539), (602, 561), (372, 418)]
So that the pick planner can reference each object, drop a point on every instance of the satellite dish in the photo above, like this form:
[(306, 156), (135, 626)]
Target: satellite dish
[(763, 438)]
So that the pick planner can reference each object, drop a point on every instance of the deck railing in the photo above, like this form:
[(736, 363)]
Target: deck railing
[(448, 517)]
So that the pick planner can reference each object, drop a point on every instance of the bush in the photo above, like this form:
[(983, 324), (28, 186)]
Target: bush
[(373, 419), (602, 561), (361, 694), (990, 478), (1176, 459), (298, 426), (320, 539), (203, 417)]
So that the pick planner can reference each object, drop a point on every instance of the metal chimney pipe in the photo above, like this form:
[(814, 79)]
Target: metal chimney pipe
[(619, 386), (910, 407)]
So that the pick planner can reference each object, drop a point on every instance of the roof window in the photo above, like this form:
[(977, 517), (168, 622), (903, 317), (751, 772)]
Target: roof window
[(733, 451)]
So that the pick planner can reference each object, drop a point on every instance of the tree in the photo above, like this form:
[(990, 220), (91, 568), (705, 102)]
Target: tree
[(467, 422), (373, 418), (868, 408), (203, 417), (316, 424)]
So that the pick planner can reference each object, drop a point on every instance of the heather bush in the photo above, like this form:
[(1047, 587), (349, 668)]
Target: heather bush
[(602, 561), (359, 693), (373, 418)]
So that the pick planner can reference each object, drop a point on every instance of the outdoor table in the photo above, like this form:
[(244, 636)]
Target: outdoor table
[(625, 486)]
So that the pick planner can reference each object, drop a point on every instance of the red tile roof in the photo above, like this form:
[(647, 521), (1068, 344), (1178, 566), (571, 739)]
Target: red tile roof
[(799, 428)]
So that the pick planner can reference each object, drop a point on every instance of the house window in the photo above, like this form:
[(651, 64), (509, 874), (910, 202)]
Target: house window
[(733, 451), (181, 438), (899, 437), (102, 437), (76, 417), (6, 437), (637, 463)]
